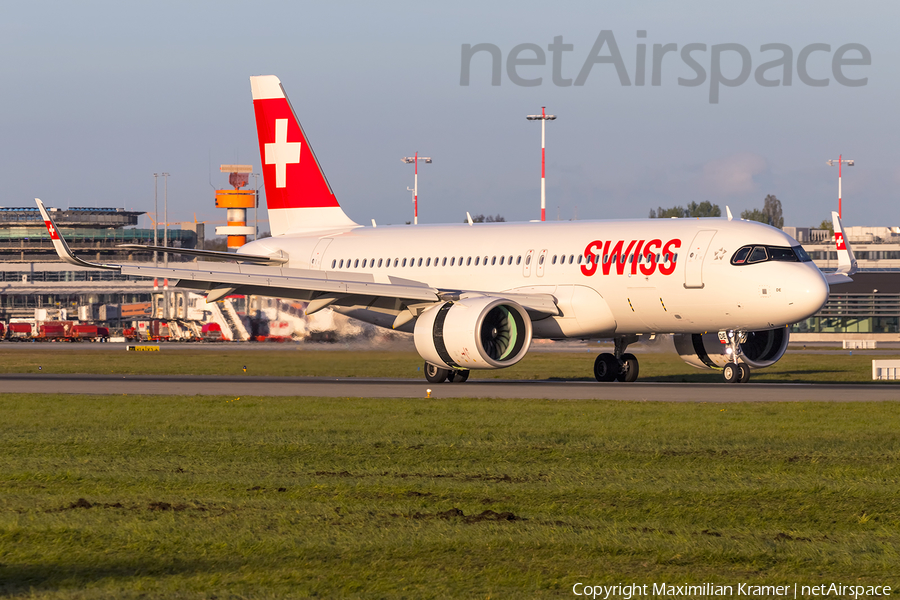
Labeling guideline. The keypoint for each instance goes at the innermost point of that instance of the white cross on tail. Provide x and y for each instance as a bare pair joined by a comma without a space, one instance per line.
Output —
281,152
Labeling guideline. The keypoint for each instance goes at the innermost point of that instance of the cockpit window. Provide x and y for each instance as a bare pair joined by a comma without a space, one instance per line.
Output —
740,257
801,254
758,253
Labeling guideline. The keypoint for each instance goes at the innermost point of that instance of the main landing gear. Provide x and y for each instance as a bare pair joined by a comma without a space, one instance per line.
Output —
438,375
735,371
620,366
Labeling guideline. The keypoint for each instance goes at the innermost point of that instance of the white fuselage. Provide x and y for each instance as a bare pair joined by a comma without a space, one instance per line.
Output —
692,288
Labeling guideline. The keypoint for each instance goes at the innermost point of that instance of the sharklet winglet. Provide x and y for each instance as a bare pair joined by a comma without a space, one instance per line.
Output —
60,245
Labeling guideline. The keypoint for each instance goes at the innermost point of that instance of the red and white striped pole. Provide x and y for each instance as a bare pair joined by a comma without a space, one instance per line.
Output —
543,164
840,163
415,190
543,118
416,193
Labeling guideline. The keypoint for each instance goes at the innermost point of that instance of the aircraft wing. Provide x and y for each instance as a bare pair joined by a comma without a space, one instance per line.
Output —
394,295
275,259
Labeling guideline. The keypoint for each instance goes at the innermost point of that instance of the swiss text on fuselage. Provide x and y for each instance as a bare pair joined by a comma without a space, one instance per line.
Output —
612,258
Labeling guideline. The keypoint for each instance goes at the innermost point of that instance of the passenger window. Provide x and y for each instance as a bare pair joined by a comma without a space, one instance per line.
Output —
553,261
477,258
452,260
579,259
571,258
404,262
509,262
356,264
420,262
333,263
364,263
428,262
541,260
501,260
493,260
444,262
485,261
469,261
342,264
379,262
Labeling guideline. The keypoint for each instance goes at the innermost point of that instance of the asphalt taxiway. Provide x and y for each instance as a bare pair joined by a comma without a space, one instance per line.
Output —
191,385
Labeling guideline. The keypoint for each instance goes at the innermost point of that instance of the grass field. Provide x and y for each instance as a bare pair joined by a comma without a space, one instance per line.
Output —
137,496
303,361
200,497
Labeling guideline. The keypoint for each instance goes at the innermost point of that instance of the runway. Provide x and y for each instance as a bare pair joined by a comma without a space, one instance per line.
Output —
191,385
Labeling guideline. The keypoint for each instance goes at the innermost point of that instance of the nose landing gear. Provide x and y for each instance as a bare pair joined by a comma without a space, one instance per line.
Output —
735,371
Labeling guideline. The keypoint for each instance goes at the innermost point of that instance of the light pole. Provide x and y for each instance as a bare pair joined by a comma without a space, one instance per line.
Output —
165,243
155,218
165,218
840,161
543,118
415,160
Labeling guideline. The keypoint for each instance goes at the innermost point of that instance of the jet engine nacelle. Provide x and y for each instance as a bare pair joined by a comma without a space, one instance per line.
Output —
704,350
481,332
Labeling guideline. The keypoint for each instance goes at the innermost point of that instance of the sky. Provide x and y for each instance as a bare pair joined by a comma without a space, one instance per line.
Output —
99,96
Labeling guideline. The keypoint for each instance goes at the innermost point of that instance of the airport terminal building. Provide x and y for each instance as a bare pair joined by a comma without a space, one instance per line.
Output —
33,278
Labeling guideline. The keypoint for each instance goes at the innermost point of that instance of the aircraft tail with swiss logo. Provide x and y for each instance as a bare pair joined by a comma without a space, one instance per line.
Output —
298,195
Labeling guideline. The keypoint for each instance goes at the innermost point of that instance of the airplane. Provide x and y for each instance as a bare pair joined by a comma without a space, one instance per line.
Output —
474,296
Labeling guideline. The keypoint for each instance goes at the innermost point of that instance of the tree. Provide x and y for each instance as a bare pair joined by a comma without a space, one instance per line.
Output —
487,219
770,213
772,208
826,224
704,209
755,215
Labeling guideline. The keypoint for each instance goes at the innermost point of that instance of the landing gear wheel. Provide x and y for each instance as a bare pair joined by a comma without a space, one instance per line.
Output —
435,374
629,370
731,373
458,376
745,373
606,367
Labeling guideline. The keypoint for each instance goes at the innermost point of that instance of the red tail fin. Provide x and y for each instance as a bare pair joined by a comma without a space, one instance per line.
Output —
298,195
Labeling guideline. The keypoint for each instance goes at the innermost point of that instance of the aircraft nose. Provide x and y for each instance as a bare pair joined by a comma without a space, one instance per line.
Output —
810,292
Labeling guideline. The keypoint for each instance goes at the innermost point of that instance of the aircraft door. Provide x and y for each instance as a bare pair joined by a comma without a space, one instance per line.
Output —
542,258
315,261
526,270
694,255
